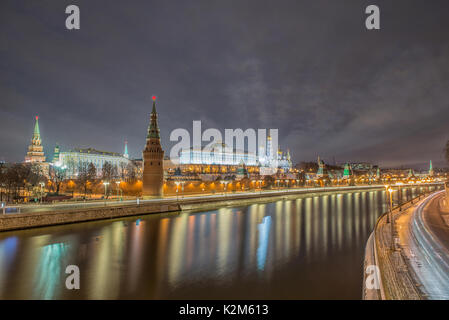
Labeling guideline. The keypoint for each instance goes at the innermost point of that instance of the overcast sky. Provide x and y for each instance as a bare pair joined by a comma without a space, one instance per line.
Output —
308,68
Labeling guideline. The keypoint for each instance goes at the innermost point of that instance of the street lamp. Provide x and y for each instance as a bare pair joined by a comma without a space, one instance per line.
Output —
225,183
391,217
182,188
386,196
177,187
260,185
399,184
105,189
118,189
42,187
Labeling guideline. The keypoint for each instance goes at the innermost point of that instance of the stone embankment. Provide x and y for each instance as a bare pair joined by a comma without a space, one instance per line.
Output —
56,216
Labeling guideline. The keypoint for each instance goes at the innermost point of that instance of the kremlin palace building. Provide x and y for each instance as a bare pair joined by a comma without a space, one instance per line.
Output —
205,165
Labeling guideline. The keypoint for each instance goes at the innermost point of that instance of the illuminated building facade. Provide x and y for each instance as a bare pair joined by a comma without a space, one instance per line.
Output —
219,154
73,159
221,159
270,161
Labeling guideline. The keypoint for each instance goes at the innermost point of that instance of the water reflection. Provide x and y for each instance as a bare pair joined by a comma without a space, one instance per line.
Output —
308,247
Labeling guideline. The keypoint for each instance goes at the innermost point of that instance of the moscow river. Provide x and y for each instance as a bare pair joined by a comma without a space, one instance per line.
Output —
311,247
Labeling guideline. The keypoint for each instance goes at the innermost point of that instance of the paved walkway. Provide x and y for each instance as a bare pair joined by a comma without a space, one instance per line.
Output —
424,240
397,282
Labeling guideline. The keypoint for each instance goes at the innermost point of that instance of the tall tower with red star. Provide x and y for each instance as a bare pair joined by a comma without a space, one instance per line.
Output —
153,159
35,150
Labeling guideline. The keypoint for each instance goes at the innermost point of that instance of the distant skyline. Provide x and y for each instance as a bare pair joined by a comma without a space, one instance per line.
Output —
307,68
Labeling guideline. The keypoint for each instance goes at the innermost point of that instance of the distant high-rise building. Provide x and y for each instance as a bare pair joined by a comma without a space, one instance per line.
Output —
153,156
35,150
430,169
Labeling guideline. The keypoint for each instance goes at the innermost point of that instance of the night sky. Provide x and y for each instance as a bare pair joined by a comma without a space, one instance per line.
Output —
308,68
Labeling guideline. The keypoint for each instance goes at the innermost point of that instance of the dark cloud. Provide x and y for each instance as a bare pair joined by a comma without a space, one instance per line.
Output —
309,68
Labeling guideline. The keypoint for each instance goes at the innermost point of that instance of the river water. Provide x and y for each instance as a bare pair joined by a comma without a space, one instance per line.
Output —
311,247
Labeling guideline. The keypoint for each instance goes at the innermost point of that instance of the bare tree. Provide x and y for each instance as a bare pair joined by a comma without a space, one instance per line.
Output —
123,170
109,173
57,176
92,171
19,177
3,170
131,172
86,174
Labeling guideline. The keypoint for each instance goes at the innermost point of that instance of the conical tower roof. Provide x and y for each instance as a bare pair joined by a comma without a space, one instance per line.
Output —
153,129
125,154
37,133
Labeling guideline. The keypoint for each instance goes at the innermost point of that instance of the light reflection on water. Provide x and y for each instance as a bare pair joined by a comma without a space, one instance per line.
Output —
310,247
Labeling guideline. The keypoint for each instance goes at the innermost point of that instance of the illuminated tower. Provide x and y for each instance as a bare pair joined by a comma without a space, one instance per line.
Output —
35,150
125,154
289,159
347,171
270,155
430,169
56,154
320,171
262,155
153,156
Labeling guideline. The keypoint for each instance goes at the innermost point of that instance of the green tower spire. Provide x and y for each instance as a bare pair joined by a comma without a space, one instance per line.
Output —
37,133
153,129
125,154
320,171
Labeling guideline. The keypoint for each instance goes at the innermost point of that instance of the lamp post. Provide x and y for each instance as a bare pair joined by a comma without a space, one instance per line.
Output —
260,185
225,184
390,190
105,190
399,184
386,196
42,187
118,189
182,188
177,187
